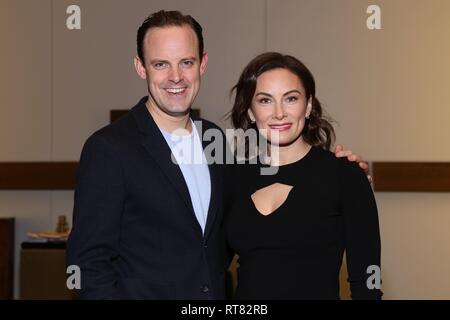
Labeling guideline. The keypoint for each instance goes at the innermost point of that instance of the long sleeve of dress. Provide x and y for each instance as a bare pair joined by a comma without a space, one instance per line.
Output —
362,236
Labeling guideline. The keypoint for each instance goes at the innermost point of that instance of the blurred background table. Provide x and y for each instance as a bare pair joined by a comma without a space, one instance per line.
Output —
43,271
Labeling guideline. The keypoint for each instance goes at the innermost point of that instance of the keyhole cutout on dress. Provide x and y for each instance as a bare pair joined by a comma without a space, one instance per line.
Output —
268,199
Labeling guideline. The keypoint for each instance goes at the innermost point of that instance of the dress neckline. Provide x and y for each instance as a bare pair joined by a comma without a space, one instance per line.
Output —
297,162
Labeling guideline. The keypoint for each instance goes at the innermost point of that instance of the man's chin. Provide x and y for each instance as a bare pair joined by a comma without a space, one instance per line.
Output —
178,111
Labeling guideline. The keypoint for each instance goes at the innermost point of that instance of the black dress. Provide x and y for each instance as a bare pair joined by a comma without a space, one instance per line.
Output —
296,251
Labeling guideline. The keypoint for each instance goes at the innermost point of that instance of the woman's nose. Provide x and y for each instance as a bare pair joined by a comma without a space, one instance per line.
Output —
279,111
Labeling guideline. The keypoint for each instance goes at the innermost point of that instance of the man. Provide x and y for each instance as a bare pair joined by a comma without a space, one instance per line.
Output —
145,227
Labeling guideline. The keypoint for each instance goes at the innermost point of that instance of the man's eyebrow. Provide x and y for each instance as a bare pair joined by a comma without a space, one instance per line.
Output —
159,61
165,61
190,58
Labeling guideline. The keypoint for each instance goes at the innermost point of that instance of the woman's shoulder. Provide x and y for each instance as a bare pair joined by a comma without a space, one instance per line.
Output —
350,171
324,158
324,154
328,162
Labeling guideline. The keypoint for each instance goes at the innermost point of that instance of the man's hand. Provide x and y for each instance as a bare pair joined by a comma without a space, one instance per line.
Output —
340,152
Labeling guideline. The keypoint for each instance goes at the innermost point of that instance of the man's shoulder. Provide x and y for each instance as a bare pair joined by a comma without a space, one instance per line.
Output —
118,130
206,124
121,131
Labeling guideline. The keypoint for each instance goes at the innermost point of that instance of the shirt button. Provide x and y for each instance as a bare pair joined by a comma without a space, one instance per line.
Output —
205,289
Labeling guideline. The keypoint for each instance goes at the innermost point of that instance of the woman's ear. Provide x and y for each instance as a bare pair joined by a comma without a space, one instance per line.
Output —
251,115
309,107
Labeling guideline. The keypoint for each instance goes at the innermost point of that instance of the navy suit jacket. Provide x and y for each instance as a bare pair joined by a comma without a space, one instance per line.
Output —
135,234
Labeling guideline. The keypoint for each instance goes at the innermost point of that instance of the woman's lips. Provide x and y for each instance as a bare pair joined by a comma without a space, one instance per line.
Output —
280,127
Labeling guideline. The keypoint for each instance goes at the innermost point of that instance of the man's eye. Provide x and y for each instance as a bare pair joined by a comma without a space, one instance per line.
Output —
160,65
188,63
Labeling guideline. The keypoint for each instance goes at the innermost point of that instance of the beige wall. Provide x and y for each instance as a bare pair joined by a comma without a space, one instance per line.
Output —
386,89
93,67
57,86
25,107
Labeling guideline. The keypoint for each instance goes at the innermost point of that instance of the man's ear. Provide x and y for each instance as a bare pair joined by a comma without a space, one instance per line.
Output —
140,69
203,63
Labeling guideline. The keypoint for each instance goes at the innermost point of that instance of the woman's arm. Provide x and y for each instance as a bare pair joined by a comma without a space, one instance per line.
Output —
362,235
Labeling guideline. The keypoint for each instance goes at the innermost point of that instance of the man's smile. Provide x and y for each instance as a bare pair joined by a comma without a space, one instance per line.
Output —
175,90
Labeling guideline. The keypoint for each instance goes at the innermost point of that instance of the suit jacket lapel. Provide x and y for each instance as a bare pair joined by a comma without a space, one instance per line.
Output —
214,172
215,199
156,146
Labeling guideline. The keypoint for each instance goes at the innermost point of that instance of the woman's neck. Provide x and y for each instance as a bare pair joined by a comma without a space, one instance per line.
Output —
282,155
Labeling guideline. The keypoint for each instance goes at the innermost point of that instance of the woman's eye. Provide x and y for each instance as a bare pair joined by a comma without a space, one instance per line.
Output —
291,99
264,100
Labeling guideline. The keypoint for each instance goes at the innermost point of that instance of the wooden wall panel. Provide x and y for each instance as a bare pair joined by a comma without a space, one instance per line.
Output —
38,175
388,176
411,176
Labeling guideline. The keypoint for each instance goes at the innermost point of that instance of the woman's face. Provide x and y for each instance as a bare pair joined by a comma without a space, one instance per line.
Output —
280,106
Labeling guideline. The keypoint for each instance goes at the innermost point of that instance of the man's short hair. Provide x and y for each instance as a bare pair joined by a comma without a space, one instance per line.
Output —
164,19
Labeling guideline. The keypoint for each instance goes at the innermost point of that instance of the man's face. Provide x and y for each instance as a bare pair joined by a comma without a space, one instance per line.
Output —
172,68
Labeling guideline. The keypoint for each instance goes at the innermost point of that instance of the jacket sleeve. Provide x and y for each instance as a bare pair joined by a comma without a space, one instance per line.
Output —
98,204
362,235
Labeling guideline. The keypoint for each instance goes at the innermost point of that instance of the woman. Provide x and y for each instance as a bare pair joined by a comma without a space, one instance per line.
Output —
290,229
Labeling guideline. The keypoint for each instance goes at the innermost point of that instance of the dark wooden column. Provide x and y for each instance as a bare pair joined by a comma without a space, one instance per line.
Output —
6,258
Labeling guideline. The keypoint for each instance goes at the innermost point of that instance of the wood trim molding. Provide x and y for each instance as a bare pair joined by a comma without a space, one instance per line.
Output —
411,176
38,175
388,176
